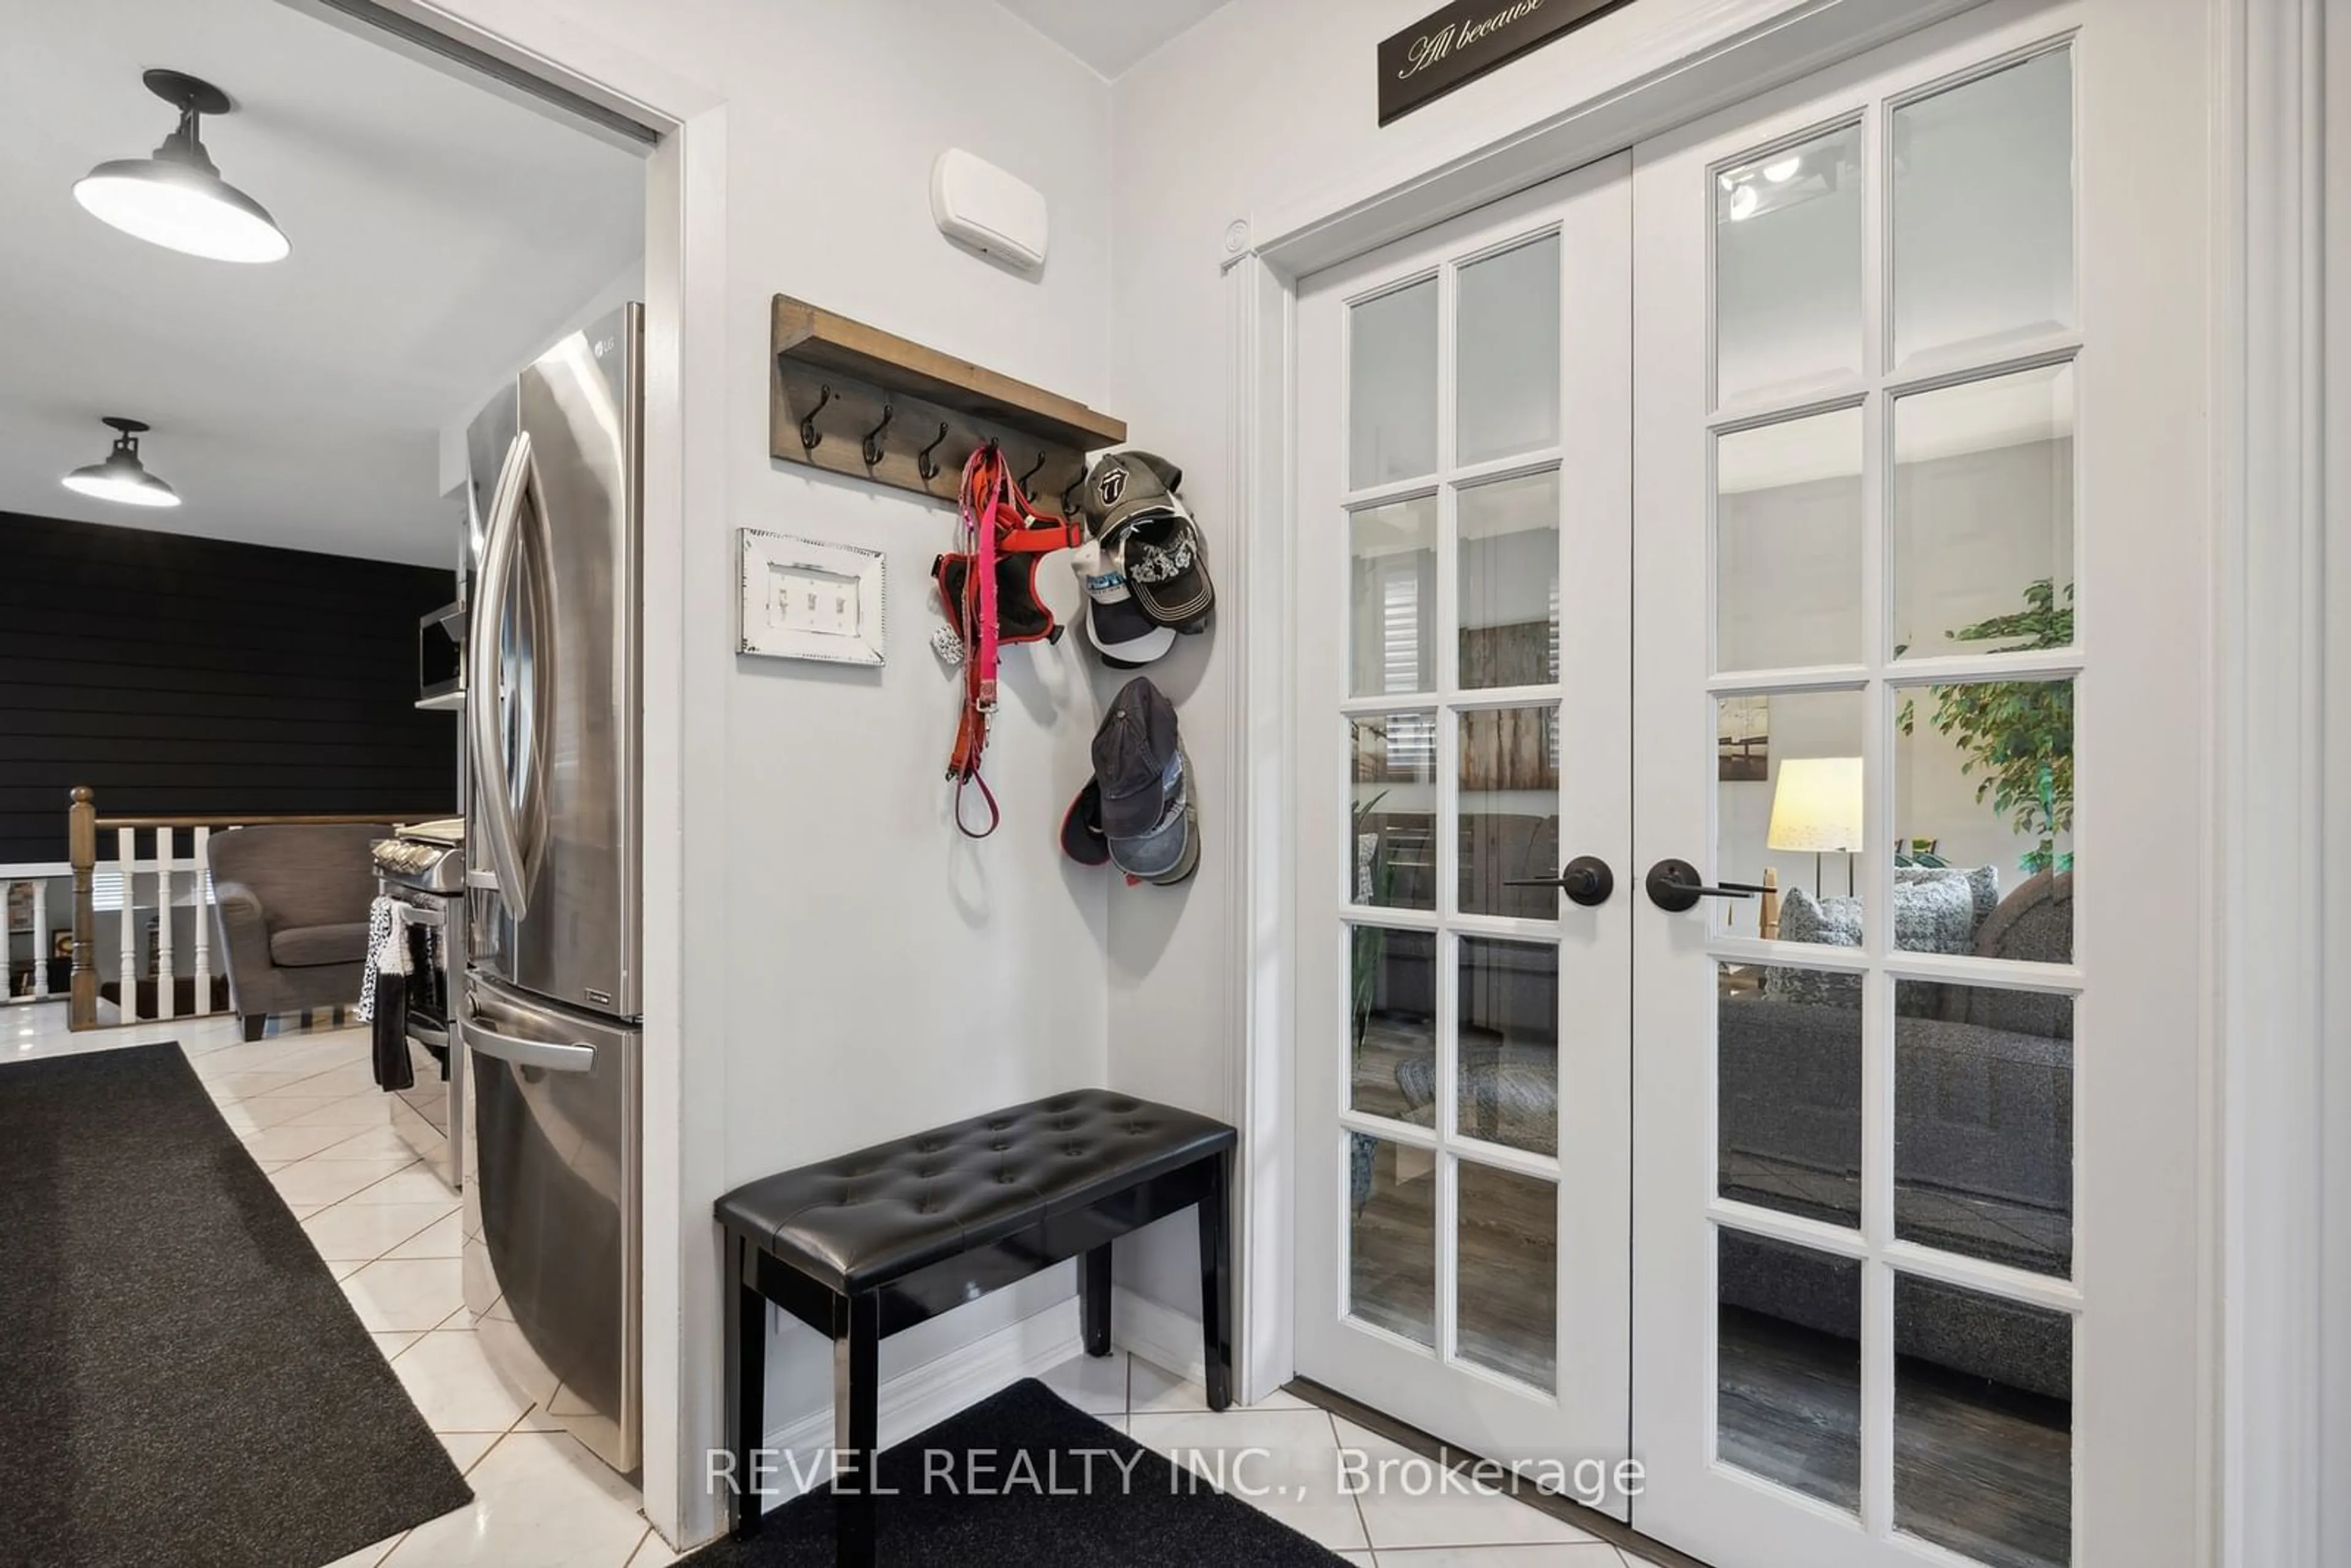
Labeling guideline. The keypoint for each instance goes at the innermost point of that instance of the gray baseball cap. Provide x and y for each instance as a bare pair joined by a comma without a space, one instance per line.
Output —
1169,851
1134,750
1123,486
1148,811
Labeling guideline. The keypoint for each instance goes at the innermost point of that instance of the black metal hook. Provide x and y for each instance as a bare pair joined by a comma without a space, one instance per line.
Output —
809,436
873,436
1070,496
923,463
1033,469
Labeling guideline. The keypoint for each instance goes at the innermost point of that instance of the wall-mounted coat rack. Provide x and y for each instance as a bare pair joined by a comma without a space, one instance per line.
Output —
858,401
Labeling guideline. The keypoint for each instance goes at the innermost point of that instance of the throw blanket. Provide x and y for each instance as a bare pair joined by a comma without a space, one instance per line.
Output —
383,1002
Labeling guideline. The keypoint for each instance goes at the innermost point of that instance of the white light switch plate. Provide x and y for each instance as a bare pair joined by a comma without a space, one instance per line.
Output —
806,600
818,601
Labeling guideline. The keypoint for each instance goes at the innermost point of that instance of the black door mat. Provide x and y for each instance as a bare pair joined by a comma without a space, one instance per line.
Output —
182,1381
1054,1498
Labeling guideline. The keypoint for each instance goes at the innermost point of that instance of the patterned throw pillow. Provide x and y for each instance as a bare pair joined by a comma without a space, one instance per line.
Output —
1830,921
1834,921
1935,916
1931,914
1982,883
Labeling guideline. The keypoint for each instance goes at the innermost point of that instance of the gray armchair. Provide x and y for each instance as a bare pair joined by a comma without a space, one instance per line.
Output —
292,906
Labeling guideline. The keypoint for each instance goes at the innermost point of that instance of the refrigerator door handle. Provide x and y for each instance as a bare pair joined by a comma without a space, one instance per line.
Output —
573,1058
493,787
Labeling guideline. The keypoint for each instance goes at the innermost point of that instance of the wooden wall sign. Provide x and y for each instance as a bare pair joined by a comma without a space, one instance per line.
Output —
1456,46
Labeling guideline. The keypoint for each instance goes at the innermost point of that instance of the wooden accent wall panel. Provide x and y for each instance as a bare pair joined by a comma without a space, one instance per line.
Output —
179,676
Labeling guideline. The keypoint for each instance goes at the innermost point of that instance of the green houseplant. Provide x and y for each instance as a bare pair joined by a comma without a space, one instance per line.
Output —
2018,735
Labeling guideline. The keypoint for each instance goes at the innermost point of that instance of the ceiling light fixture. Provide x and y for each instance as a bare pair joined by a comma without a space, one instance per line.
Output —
122,477
1785,170
176,198
1743,202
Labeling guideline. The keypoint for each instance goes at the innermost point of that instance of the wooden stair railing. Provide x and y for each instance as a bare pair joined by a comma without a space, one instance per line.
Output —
83,828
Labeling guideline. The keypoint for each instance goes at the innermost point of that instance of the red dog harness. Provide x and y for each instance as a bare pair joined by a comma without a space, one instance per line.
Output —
989,590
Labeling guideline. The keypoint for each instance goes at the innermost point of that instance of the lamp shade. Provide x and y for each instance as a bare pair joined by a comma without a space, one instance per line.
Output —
176,198
1816,805
122,477
181,206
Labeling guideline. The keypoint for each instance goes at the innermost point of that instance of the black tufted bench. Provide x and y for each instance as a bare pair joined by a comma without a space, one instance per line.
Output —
860,1247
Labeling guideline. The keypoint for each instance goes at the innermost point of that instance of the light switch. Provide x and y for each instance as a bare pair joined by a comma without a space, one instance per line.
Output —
816,601
808,599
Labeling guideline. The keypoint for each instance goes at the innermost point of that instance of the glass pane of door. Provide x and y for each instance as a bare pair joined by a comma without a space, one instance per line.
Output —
1789,516
1506,575
1391,387
1391,1237
1788,1366
1790,247
1983,211
1982,535
1983,1424
1392,572
1507,1239
1506,344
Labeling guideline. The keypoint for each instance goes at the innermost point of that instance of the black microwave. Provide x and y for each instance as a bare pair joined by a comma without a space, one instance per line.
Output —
441,656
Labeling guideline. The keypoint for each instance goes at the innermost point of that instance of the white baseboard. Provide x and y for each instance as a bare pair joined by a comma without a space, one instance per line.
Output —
920,1398
1166,1337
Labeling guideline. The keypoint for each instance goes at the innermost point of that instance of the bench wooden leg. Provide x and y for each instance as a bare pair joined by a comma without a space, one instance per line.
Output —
746,1382
1216,1283
1096,1297
856,1426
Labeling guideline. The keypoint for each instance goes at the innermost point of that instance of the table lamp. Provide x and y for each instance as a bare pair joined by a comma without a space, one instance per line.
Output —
1816,805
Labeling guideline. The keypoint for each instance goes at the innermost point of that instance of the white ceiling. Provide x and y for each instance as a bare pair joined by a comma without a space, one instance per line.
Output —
441,235
1111,34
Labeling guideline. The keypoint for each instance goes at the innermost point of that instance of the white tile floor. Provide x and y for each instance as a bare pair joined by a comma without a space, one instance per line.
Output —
304,1105
1298,1473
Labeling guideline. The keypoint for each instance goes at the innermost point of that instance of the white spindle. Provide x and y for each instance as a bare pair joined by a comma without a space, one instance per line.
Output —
126,859
41,937
166,862
202,859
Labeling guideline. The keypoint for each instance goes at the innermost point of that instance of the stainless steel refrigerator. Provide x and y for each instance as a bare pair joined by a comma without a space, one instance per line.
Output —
551,1009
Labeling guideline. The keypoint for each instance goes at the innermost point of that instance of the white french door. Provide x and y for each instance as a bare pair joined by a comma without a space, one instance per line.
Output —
1914,1256
1464,677
1799,516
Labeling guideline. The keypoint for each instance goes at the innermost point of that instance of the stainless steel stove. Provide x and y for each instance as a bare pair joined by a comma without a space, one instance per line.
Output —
424,866
422,863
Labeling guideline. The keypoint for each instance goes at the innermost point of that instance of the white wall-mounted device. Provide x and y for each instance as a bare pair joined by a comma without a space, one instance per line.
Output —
973,201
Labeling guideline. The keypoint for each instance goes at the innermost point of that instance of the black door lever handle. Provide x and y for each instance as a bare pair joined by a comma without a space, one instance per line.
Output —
1586,880
1675,885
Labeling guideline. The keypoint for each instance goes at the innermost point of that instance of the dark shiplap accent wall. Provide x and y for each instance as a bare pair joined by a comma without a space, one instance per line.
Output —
187,677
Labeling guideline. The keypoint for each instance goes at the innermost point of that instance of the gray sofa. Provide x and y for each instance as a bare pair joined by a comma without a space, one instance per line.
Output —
291,902
1983,1134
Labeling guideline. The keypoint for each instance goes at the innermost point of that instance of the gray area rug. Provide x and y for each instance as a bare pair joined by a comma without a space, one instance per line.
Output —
182,1381
1091,1496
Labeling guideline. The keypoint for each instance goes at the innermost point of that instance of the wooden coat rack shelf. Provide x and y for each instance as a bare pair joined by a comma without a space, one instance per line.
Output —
855,400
